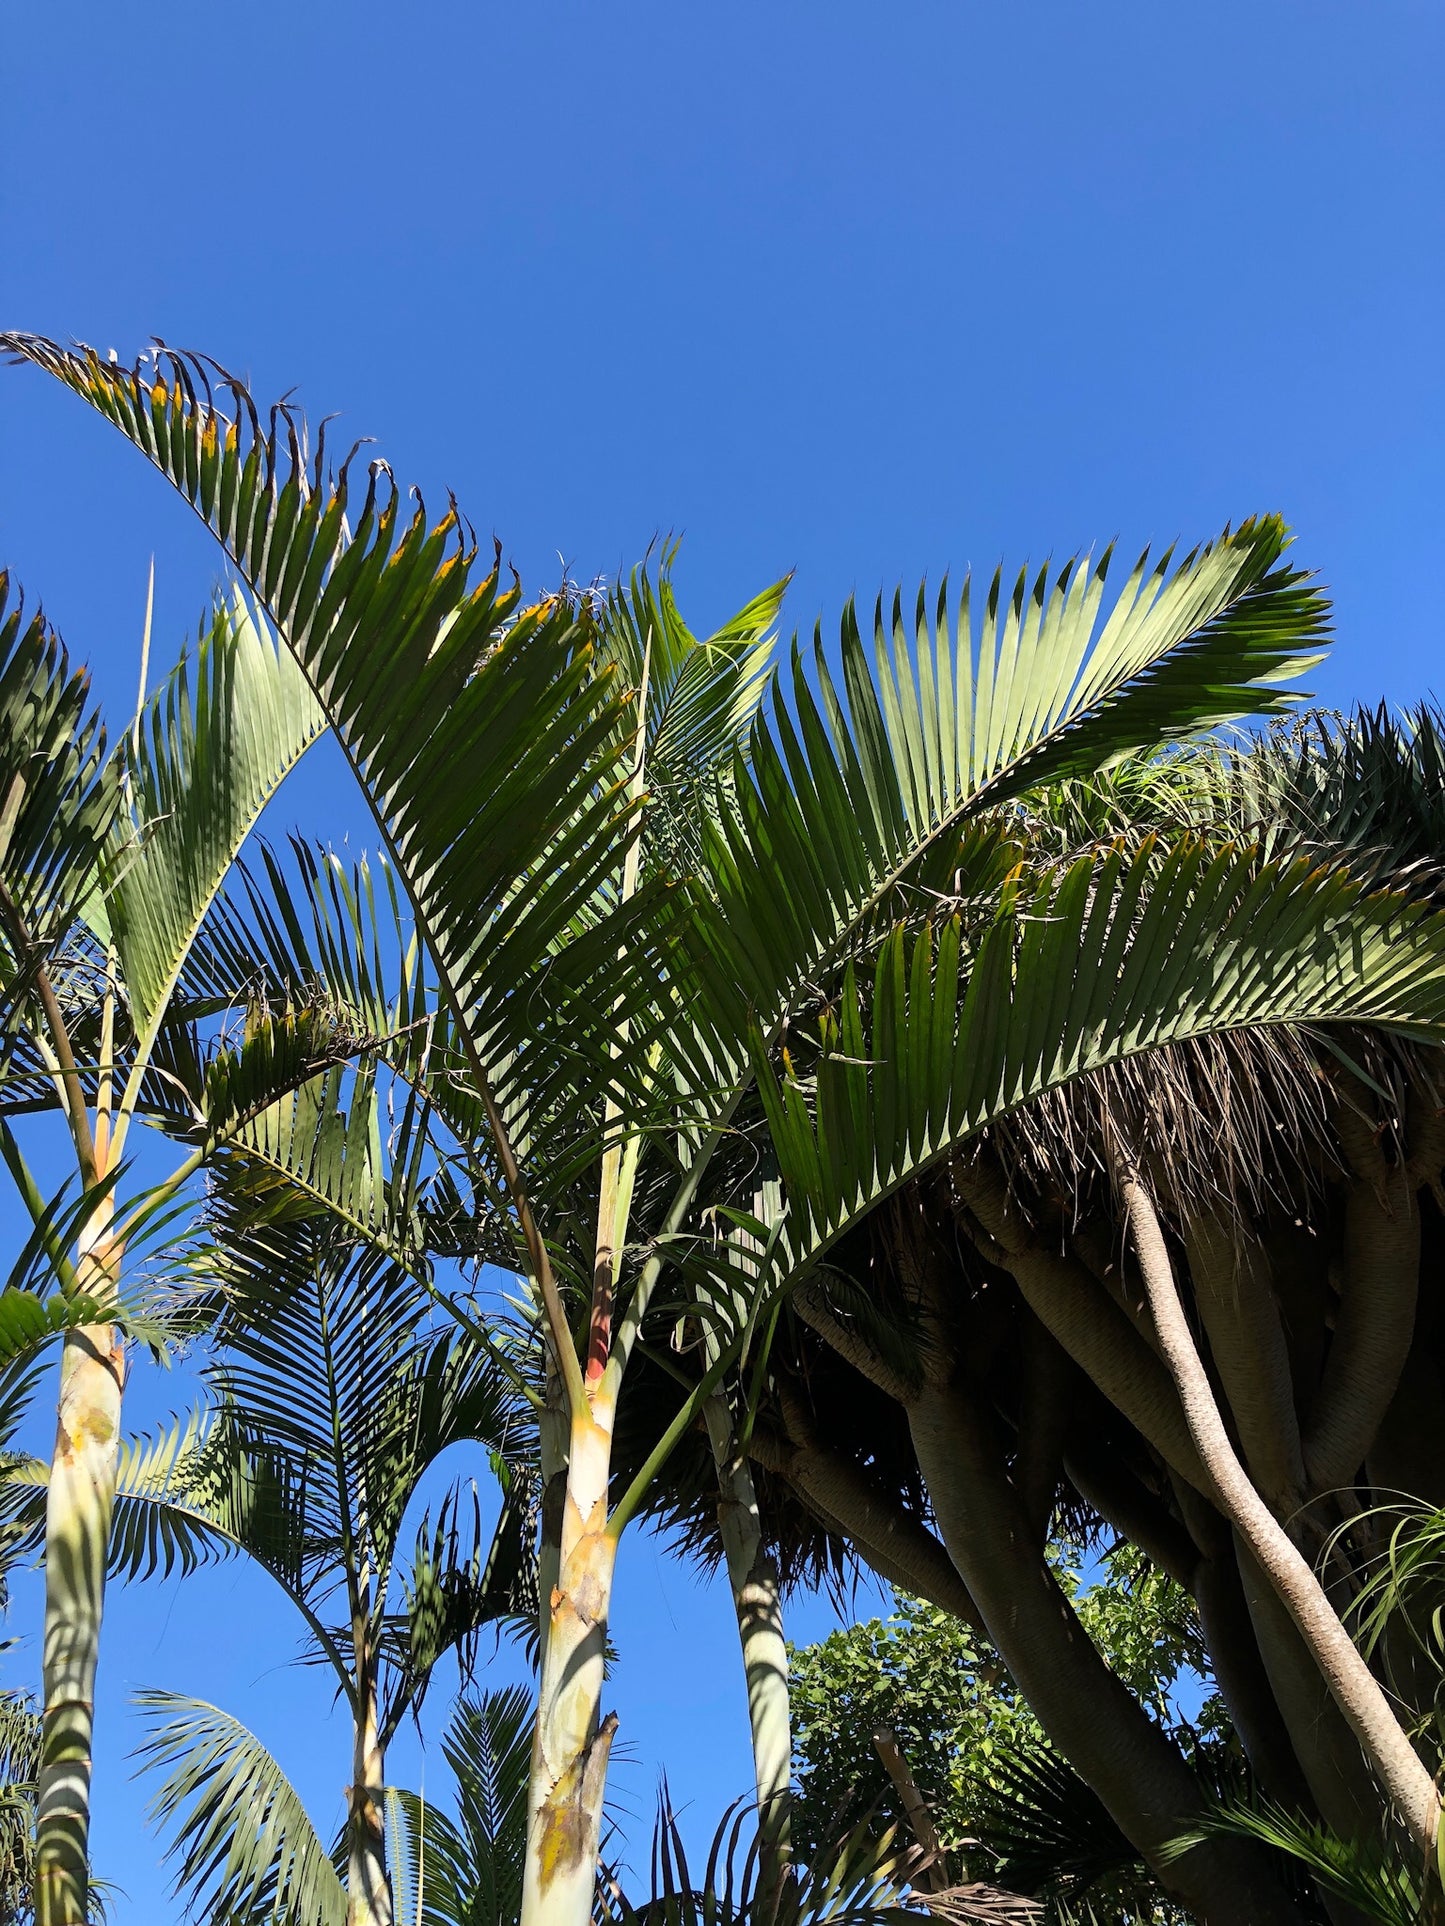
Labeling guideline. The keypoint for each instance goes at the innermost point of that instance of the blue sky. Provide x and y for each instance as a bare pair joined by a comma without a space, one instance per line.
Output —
860,292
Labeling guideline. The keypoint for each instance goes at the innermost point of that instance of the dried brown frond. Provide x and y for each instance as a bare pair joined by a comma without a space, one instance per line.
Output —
979,1904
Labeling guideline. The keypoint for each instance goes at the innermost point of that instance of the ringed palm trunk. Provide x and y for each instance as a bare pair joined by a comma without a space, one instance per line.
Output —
77,1535
368,1889
572,1741
753,1579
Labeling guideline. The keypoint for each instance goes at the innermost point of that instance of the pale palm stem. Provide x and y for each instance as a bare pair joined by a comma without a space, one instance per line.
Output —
79,1503
753,1579
368,1889
572,1742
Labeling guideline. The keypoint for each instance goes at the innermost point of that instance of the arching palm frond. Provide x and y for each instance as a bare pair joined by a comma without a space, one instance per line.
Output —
702,693
58,793
190,1494
28,1320
488,747
245,1850
1365,1875
469,1860
213,747
855,1879
855,797
1110,958
316,928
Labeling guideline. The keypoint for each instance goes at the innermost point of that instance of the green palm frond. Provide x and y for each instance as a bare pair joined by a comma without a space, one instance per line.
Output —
463,1580
1368,787
244,1848
213,748
1365,1874
1113,956
320,1149
199,1491
58,793
857,1878
20,1728
441,1391
1050,1832
702,692
28,1320
470,1860
276,1055
1405,1584
853,803
315,931
191,1494
491,752
313,1328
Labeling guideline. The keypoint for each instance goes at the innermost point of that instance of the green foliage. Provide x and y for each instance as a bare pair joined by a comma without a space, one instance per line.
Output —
1368,1875
246,1851
213,748
19,1769
856,1877
1088,967
487,744
1004,1804
464,1868
58,792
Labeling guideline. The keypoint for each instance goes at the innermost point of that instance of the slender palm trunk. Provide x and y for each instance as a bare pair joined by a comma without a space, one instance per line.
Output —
753,1577
77,1536
572,1741
1351,1683
368,1889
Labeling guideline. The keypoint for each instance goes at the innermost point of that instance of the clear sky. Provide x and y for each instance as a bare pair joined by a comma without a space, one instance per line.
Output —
858,291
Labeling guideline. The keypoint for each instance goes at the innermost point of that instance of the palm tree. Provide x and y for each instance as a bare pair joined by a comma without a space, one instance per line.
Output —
1294,1185
109,864
330,1402
507,777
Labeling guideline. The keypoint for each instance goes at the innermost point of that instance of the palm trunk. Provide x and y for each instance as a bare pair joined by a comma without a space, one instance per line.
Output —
753,1577
77,1537
572,1741
1351,1683
368,1889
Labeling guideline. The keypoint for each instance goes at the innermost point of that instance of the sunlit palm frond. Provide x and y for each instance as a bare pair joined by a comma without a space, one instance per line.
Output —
464,1579
210,751
489,750
244,1848
858,1878
1114,956
20,1731
469,1859
28,1320
856,793
316,930
58,793
1365,1875
702,692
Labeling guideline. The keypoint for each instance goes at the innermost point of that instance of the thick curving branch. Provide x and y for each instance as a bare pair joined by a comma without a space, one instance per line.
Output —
1113,1491
1351,1683
1243,1679
1063,1295
1086,1711
1235,1295
1376,1321
903,1551
812,1307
